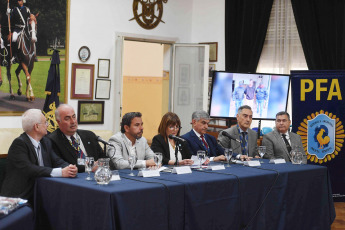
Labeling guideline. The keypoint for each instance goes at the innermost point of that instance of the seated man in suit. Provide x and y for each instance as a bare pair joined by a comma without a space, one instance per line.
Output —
281,141
73,144
130,141
248,147
198,139
31,156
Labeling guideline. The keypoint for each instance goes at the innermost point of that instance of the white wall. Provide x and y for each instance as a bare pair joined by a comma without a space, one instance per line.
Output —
95,24
208,25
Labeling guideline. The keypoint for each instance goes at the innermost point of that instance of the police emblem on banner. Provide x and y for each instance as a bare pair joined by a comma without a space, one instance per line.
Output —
322,136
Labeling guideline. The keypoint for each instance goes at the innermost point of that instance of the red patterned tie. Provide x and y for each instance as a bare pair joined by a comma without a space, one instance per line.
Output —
203,141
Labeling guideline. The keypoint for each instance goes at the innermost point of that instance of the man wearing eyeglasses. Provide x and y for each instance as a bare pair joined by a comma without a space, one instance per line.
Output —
31,156
281,141
198,139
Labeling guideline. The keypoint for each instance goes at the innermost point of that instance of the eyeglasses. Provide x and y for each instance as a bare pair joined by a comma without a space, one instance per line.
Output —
46,123
175,127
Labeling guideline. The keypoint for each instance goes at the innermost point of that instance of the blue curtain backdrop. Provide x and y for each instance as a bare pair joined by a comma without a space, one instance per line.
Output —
321,92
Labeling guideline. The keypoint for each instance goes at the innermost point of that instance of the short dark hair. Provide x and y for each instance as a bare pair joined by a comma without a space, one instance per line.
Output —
127,120
281,113
243,107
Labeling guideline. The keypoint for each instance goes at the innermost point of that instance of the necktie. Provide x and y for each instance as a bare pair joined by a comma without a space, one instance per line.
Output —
204,141
244,143
39,155
77,148
288,146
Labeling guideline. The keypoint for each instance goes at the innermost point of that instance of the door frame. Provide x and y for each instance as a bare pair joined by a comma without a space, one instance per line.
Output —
120,37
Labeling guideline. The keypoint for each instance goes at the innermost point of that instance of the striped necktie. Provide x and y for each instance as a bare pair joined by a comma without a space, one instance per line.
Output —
244,143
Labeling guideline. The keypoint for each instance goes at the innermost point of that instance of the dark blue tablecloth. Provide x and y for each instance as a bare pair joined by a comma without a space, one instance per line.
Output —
281,196
21,218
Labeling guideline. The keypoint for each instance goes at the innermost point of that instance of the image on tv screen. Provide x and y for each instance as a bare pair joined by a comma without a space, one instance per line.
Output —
266,94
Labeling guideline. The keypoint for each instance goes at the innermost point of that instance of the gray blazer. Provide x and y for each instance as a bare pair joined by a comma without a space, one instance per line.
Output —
236,147
275,145
122,149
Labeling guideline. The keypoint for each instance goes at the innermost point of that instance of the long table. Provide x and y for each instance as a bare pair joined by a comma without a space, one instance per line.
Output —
282,196
21,218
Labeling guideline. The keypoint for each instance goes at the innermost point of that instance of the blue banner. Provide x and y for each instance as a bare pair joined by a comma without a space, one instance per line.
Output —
318,115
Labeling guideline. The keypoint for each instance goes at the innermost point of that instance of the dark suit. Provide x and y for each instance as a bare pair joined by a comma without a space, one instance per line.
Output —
195,144
236,147
160,145
64,149
23,167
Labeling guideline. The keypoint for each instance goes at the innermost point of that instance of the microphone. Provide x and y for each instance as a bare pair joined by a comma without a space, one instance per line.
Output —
230,136
104,142
176,138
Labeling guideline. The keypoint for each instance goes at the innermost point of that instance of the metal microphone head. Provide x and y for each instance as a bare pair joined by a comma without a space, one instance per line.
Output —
171,136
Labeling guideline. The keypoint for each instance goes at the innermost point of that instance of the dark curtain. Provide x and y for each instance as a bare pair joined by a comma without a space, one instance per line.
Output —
246,23
321,29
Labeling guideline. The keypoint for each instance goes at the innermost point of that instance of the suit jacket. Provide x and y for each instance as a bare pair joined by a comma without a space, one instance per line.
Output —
275,145
64,149
195,144
23,167
236,147
122,150
160,145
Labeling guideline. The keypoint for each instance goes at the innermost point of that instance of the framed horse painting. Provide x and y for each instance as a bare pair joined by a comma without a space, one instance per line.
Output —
37,28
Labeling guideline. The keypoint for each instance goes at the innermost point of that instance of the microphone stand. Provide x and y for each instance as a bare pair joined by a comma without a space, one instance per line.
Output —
176,151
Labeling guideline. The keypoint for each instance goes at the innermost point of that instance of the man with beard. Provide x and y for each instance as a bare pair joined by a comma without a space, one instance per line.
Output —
130,141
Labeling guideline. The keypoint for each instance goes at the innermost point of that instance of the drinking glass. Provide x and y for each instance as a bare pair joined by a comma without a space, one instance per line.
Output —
132,160
228,155
89,162
297,157
262,152
158,159
201,155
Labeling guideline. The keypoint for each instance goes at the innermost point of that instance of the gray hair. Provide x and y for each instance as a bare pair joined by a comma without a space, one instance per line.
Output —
239,111
197,115
30,118
57,111
281,113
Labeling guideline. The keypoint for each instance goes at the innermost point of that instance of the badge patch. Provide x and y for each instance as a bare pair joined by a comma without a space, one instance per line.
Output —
322,136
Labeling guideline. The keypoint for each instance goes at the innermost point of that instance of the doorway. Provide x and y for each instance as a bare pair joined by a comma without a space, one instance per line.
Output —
145,84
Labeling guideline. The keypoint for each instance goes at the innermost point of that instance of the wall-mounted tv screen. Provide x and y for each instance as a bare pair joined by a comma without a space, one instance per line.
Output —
266,94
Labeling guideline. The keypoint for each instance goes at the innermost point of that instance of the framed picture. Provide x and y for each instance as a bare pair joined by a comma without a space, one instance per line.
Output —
213,50
184,74
183,96
82,81
91,112
102,89
48,40
103,68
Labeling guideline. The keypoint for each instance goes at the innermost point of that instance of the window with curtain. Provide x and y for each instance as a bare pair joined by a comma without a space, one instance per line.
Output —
282,49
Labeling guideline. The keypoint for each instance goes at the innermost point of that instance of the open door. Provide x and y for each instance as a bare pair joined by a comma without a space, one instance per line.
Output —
189,81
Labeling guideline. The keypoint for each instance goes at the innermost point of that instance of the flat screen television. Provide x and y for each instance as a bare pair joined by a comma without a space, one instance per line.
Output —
267,94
